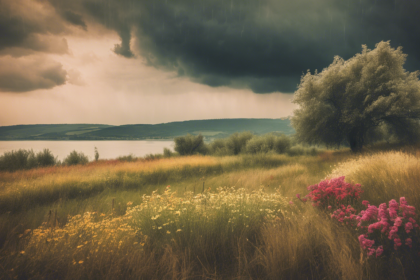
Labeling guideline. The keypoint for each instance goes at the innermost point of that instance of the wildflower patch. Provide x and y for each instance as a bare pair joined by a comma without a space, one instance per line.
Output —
383,229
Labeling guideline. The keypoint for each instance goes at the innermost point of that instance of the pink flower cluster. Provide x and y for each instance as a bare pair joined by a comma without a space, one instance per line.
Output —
332,191
344,214
384,225
394,223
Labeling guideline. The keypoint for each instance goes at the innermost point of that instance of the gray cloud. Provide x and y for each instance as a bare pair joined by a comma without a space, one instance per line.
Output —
75,19
30,73
32,26
263,45
29,30
124,48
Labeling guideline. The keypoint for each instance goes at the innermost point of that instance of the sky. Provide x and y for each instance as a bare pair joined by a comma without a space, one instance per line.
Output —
155,61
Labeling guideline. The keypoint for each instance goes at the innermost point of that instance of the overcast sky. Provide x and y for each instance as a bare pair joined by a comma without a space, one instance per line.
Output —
153,61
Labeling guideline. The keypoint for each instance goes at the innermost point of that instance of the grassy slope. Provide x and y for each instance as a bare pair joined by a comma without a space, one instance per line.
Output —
294,247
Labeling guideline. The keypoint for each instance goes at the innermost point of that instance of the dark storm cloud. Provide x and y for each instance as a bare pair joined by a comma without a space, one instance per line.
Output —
30,73
261,45
264,45
75,19
124,48
29,25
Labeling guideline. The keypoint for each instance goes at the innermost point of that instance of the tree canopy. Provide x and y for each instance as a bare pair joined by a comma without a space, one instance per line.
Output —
190,144
350,100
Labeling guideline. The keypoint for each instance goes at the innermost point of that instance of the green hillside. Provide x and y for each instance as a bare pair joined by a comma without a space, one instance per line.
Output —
47,131
210,129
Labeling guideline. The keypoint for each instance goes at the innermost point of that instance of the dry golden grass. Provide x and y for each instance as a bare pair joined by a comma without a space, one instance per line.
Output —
97,169
161,230
246,232
25,189
384,176
309,246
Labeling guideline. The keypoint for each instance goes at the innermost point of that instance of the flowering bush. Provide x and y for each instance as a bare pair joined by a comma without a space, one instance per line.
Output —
382,227
387,225
332,191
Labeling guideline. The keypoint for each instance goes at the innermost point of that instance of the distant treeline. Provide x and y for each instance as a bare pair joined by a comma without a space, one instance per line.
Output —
27,159
242,143
237,143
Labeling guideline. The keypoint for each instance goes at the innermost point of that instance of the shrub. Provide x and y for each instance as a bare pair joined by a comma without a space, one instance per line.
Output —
218,148
76,158
260,144
282,144
26,159
332,192
380,229
190,145
31,161
14,160
236,143
247,143
387,226
167,153
268,143
45,158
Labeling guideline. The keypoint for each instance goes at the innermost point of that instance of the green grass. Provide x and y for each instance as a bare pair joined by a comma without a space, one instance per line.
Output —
221,218
81,131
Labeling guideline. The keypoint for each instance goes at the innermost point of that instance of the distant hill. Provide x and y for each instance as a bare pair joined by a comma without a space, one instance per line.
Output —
210,129
47,131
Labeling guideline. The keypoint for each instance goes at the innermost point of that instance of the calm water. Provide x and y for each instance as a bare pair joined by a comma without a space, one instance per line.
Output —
106,149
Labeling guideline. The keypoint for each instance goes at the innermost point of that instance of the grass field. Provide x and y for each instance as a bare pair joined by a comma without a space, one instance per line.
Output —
221,218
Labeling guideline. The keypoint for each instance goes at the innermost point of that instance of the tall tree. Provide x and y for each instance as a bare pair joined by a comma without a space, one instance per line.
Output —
350,98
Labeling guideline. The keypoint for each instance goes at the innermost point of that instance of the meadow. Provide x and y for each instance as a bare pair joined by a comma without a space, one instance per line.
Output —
202,217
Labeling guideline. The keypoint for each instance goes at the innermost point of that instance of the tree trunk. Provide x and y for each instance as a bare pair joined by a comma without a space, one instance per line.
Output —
356,140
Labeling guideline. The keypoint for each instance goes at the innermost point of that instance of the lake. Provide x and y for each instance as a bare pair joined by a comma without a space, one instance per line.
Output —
106,149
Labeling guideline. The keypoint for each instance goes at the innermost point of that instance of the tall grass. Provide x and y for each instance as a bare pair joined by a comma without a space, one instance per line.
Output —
222,218
74,182
230,233
206,228
309,246
384,176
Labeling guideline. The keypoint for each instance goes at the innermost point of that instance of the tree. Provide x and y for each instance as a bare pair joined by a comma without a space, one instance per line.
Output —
190,144
76,158
45,158
236,142
350,99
